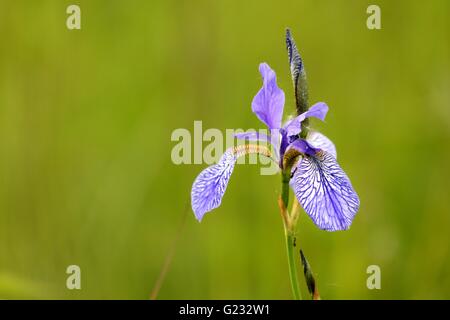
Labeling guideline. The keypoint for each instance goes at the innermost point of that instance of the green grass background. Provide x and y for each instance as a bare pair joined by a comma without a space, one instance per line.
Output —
86,118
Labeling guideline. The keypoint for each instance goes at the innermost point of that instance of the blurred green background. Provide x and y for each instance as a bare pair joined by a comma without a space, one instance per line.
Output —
86,118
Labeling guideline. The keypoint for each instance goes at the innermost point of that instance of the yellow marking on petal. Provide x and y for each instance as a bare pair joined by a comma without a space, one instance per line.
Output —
245,149
290,158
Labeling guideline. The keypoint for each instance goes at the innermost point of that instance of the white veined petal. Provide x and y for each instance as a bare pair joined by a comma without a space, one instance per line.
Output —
320,141
325,192
210,185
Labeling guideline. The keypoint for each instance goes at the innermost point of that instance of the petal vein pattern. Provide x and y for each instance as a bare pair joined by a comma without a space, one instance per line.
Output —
320,141
211,184
325,192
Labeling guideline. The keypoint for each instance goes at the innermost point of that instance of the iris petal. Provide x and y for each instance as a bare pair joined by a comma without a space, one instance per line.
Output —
318,140
303,146
318,110
325,192
210,185
268,103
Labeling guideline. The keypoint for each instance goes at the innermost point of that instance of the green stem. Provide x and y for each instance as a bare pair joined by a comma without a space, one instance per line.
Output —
285,189
290,238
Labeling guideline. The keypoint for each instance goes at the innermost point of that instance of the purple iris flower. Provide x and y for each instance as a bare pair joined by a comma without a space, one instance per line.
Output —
322,188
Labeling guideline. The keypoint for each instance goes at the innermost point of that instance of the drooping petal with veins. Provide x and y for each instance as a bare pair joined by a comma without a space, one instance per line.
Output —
210,185
325,192
268,104
320,141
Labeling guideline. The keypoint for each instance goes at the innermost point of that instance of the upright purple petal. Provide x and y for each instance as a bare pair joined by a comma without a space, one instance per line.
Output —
319,141
318,110
210,185
325,192
268,103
